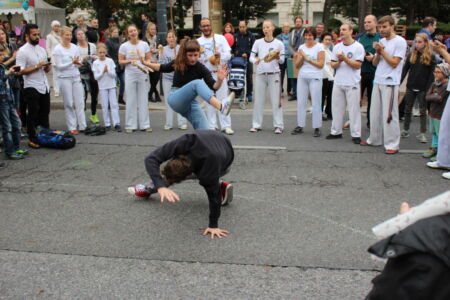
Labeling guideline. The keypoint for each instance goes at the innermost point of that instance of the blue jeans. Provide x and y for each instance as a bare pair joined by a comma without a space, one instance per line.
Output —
121,78
182,100
10,122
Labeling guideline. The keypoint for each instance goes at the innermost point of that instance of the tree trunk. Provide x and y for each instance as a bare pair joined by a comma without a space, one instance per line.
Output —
180,12
410,15
326,13
362,11
103,11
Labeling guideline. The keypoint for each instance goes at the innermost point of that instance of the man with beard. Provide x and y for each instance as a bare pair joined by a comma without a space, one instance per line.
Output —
33,63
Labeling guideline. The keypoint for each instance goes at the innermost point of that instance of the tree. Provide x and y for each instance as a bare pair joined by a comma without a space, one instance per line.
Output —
235,10
297,9
326,13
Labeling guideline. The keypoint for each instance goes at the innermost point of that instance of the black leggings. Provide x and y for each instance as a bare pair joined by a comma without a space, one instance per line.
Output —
91,86
154,78
327,91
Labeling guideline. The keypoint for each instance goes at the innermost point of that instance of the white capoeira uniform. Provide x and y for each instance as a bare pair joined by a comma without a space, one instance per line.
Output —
168,54
212,45
310,81
267,76
72,90
384,123
346,89
443,155
107,86
137,86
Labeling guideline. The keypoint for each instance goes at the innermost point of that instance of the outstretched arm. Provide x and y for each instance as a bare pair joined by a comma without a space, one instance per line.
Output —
215,203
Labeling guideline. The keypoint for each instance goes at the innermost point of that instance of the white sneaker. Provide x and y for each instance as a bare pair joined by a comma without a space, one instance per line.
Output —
227,103
228,131
446,175
166,127
149,130
435,165
183,127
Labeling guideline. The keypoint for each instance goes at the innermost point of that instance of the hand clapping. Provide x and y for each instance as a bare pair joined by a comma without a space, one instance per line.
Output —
222,72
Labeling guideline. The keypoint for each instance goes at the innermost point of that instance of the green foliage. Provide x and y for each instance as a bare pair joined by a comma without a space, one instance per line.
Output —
235,10
334,24
297,9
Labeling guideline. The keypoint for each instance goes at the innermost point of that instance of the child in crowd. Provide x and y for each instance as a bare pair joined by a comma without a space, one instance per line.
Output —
105,74
9,120
437,98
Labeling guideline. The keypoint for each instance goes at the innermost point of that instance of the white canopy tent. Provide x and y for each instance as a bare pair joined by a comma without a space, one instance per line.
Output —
39,12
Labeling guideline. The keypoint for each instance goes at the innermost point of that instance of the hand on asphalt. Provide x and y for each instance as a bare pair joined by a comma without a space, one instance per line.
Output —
216,232
168,194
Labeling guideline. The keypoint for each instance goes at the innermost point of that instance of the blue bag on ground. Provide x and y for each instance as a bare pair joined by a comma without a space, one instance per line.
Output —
58,140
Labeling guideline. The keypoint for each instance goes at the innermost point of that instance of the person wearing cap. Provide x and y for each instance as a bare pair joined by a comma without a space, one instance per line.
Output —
53,39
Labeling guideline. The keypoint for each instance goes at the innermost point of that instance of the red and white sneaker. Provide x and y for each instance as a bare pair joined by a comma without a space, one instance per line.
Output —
226,191
139,191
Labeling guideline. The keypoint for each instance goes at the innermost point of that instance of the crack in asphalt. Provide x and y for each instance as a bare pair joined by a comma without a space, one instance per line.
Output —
195,262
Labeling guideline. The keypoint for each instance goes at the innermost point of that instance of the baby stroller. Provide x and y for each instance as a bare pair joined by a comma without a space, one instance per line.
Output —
237,79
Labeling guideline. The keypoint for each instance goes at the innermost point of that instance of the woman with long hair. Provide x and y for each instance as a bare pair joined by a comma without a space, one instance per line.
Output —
191,79
131,54
168,54
151,38
54,39
67,60
310,60
113,44
228,28
420,65
15,81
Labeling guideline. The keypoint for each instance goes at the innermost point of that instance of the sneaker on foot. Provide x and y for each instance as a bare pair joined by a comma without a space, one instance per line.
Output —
446,175
129,130
94,119
149,129
228,131
182,127
253,129
22,151
316,132
422,138
226,191
227,103
404,134
118,128
430,152
435,165
365,143
74,132
297,130
334,136
278,130
33,145
139,190
356,140
14,156
167,127
391,151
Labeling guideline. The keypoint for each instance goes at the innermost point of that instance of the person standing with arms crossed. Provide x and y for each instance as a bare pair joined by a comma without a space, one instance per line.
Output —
389,60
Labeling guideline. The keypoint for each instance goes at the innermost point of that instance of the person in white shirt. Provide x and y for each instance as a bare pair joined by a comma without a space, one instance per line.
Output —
267,62
136,81
32,60
54,39
310,60
88,54
389,59
67,59
328,77
347,59
104,70
168,54
216,52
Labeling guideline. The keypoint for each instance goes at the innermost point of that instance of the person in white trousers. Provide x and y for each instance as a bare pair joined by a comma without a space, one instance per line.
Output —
216,51
168,54
104,70
54,39
310,58
67,59
267,77
389,59
136,81
347,58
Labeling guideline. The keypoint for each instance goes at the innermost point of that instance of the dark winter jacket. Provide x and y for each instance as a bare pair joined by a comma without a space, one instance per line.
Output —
420,76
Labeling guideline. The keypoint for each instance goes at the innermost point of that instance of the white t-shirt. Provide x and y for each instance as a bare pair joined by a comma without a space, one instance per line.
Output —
28,56
328,71
166,57
63,59
90,51
308,70
261,48
385,74
131,51
346,75
105,80
220,44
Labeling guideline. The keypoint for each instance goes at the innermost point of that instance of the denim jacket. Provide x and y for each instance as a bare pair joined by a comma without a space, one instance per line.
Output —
5,89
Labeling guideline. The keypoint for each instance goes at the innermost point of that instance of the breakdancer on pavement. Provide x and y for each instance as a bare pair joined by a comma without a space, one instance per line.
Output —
205,155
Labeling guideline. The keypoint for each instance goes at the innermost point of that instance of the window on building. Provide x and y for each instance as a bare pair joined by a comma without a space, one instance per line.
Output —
317,17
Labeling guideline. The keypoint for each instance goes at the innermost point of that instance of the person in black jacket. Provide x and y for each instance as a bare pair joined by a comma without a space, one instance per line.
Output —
242,47
418,265
205,155
420,66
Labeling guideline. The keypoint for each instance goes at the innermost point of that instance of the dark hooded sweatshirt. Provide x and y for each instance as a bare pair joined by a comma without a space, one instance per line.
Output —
211,155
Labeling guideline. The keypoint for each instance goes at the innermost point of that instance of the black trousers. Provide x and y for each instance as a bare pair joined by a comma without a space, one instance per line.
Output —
154,78
38,111
367,83
327,92
249,78
91,86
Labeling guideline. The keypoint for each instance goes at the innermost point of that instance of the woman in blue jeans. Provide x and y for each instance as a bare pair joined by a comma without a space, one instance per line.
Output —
192,79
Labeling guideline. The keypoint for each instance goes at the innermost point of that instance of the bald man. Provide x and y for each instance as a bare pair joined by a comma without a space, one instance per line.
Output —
368,69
